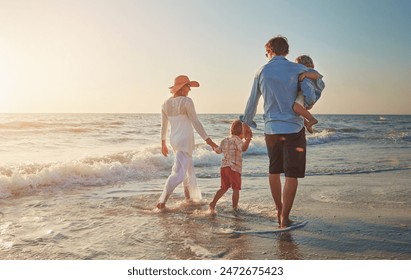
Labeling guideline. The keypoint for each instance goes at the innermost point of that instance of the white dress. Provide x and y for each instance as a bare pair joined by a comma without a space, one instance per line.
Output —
180,113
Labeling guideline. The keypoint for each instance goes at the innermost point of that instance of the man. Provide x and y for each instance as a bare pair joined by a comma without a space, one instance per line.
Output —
277,82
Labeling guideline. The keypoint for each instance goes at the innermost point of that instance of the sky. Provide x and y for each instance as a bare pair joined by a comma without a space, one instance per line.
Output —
106,56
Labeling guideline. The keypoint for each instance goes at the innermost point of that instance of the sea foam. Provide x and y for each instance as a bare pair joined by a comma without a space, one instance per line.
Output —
109,169
113,168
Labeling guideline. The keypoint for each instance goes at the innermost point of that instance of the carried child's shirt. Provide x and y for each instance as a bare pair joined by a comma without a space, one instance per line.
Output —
231,147
318,85
318,88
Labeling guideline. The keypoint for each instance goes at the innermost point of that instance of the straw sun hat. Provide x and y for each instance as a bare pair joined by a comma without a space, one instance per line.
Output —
181,81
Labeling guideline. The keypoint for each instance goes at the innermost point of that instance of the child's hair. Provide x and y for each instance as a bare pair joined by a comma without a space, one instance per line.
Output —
236,127
305,60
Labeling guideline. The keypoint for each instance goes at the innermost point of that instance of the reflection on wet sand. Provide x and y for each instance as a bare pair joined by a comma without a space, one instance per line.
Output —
287,248
192,233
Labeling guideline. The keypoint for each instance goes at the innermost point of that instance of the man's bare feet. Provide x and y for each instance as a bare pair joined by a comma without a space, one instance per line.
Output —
286,223
161,205
278,213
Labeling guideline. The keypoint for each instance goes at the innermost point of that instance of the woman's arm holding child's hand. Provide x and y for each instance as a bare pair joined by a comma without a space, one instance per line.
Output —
211,143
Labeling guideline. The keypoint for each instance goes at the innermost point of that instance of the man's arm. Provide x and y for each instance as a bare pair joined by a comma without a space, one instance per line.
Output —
252,103
251,108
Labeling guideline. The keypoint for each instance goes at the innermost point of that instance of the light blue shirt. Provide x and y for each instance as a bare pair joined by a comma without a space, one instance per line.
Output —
277,82
318,85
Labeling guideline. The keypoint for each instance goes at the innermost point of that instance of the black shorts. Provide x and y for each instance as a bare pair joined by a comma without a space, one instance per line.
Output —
287,153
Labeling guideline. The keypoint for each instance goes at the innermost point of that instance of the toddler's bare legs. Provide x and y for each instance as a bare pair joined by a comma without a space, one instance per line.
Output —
236,198
309,124
217,196
309,119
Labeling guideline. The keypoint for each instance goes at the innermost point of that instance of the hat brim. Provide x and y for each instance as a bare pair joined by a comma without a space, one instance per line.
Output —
177,87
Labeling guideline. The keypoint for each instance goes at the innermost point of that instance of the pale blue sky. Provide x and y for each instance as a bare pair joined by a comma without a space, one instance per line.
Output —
74,56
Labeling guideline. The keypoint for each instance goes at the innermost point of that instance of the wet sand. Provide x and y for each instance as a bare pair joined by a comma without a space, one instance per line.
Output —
350,217
356,217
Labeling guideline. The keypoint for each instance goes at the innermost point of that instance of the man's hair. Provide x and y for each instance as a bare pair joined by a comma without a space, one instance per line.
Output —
236,127
305,60
279,45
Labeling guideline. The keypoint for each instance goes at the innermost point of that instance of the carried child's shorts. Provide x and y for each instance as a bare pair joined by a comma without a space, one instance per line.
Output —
230,179
300,99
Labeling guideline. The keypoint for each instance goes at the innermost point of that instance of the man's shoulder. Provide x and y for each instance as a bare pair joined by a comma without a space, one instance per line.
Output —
283,63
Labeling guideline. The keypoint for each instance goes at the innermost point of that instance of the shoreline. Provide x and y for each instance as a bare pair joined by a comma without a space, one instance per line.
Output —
355,217
350,217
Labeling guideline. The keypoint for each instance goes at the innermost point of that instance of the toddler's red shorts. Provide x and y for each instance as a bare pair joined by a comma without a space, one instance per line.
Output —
230,179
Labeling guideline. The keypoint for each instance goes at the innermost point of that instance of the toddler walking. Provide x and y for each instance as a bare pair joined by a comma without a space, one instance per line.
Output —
232,148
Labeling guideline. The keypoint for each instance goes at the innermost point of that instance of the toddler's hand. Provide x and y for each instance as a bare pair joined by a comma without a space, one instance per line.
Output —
211,143
249,135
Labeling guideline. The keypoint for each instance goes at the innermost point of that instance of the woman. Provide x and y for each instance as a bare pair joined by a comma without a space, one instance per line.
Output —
179,111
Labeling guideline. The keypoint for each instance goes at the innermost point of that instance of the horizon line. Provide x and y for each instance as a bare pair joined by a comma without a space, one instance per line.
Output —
156,113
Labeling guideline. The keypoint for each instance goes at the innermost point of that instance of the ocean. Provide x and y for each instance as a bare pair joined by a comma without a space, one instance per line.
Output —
70,183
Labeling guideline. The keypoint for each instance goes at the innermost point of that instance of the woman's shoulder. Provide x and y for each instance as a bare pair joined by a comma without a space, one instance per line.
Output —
187,101
187,98
178,99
